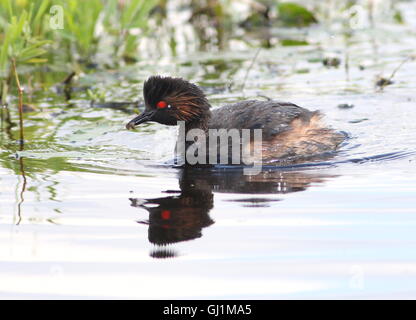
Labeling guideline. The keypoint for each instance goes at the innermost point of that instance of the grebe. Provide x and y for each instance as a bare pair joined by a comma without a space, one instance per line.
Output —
289,133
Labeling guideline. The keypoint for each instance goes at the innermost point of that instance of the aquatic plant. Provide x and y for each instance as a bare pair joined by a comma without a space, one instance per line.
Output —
30,35
20,45
291,14
21,42
81,20
127,21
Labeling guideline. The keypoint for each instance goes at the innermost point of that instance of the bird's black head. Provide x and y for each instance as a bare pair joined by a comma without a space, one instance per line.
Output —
169,100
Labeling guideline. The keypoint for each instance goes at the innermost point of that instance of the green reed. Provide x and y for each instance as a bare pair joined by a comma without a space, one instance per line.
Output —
29,35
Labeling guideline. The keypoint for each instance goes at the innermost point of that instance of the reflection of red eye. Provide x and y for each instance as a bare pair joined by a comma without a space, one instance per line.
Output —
165,214
161,105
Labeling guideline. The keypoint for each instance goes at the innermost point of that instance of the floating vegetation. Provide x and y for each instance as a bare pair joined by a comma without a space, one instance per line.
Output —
345,106
382,82
331,62
291,14
293,42
358,120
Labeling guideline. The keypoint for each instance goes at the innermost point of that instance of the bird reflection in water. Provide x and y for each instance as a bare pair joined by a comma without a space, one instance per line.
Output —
179,217
182,215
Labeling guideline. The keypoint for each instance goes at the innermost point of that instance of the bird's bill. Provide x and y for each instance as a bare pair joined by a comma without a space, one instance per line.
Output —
141,118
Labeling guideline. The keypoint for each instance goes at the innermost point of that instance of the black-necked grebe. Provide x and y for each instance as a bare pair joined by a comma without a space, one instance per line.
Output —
289,132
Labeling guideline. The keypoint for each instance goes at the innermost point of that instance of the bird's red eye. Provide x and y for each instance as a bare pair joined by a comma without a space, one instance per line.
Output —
161,105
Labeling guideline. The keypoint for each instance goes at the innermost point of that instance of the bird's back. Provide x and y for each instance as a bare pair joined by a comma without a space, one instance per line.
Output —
273,117
289,132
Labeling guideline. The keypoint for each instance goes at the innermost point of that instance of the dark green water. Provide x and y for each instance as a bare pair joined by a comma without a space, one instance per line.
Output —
89,209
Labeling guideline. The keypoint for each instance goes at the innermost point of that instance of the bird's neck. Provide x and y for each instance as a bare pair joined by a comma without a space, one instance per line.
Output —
199,123
186,138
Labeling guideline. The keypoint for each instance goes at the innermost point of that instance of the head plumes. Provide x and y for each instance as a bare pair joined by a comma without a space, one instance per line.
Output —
169,100
185,100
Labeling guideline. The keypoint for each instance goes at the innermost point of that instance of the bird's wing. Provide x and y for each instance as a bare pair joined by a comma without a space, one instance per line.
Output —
273,117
